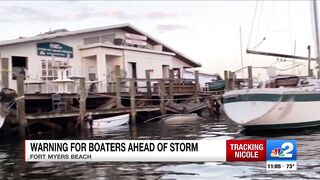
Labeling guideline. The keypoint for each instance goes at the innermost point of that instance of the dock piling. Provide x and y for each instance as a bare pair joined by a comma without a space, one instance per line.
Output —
133,101
234,81
210,106
196,75
171,81
21,113
82,105
118,88
250,80
162,98
4,72
148,83
231,77
226,80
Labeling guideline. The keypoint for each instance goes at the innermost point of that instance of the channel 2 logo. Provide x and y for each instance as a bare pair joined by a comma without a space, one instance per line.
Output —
281,150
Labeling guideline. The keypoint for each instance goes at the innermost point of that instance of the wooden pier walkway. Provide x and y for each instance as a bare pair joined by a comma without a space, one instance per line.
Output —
152,96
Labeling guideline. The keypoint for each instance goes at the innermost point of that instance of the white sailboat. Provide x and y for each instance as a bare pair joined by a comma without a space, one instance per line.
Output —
283,102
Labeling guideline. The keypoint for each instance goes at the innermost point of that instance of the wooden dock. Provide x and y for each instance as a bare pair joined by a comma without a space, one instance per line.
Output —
134,96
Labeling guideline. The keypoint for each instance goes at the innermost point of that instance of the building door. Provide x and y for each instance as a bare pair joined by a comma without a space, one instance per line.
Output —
132,70
19,66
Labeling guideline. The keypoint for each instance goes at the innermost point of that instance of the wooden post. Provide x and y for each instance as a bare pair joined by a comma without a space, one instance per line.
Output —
82,105
250,80
196,77
310,73
21,113
162,98
210,106
234,81
226,80
231,80
171,81
5,72
118,88
148,84
133,101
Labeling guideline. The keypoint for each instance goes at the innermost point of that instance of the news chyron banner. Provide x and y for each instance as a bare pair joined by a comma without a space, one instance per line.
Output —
278,154
124,150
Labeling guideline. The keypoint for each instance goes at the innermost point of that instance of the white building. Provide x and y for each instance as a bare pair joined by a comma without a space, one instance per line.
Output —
92,53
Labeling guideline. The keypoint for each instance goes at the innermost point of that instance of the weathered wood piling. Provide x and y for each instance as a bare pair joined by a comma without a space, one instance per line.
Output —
21,112
118,86
82,105
250,80
226,80
196,77
162,98
148,83
231,81
133,101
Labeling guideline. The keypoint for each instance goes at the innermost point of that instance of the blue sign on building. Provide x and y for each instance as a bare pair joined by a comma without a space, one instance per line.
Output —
54,49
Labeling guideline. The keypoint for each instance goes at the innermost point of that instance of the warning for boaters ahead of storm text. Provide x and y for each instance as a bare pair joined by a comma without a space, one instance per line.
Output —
278,154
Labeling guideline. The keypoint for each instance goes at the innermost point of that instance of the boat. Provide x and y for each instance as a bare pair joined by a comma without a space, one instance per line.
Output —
282,102
7,100
111,121
180,118
215,85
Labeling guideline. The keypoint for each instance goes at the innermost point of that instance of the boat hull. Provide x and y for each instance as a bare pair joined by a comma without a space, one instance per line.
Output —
216,85
180,118
2,119
274,110
111,121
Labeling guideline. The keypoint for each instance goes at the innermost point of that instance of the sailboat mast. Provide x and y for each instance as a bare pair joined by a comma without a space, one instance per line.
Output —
241,55
315,14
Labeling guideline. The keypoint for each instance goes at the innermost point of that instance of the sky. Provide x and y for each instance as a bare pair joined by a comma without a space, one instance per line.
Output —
205,31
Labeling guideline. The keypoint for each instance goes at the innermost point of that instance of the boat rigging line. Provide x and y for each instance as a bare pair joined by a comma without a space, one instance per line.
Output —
316,27
252,23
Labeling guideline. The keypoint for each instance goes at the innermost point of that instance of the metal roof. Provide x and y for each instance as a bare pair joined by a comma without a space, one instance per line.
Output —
128,27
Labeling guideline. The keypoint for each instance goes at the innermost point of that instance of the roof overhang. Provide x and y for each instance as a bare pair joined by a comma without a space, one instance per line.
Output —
102,45
127,27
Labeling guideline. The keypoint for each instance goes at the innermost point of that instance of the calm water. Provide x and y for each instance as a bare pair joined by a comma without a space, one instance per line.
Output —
12,165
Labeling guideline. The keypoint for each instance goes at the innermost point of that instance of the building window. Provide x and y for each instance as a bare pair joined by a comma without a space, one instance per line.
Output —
92,73
176,73
91,40
108,38
19,66
47,70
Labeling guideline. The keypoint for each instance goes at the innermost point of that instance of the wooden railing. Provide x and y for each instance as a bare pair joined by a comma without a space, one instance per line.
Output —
121,85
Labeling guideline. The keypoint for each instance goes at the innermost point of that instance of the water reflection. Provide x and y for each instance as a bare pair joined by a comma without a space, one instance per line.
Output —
12,165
